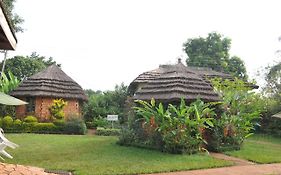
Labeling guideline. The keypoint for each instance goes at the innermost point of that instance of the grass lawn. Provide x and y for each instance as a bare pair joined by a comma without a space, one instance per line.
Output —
99,155
260,149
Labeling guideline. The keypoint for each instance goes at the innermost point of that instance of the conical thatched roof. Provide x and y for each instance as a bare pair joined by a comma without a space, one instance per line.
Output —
51,82
172,82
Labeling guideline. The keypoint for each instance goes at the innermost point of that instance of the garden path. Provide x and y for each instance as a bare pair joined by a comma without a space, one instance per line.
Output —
261,169
11,169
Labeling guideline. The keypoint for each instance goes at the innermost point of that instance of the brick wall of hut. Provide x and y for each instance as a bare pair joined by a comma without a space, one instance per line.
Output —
42,105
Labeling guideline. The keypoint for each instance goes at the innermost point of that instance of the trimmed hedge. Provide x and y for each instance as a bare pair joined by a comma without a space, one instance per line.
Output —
73,126
107,132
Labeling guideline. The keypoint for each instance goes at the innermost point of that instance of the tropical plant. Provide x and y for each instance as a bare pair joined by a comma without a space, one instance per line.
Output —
239,116
8,82
56,109
179,127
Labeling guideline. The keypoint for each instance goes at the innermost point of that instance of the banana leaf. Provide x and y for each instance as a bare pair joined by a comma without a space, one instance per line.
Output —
9,100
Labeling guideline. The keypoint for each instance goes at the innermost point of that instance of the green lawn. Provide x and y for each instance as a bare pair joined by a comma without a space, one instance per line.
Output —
99,155
260,149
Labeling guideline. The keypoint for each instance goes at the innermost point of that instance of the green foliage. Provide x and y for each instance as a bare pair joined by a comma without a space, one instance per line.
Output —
7,110
100,122
175,129
75,126
25,66
45,128
273,127
104,103
56,109
240,113
273,79
30,125
30,119
14,18
213,52
8,82
7,122
107,132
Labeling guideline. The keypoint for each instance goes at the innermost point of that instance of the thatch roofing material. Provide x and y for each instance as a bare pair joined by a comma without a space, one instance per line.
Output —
176,82
51,82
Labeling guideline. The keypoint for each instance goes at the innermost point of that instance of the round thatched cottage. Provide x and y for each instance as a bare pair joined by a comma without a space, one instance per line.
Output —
170,83
42,88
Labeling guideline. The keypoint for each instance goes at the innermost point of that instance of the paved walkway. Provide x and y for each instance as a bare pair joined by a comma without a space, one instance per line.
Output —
11,169
264,169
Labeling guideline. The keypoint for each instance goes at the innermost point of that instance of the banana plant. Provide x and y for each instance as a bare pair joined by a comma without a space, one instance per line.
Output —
8,82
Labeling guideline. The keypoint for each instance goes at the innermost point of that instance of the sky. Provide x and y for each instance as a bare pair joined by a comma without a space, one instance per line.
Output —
103,43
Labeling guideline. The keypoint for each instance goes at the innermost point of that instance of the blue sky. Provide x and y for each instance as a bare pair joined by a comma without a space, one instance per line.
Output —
103,43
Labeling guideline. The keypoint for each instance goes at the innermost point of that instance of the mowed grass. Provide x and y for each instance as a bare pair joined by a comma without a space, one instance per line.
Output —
260,149
99,155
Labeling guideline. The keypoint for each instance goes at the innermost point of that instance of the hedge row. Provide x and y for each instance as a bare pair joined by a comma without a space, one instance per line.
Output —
107,132
74,126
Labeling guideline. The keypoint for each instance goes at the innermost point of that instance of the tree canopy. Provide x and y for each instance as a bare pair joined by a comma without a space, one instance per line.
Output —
273,79
14,18
104,103
213,52
25,66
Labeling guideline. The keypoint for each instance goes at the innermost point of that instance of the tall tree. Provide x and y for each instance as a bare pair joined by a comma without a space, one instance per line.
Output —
104,103
14,18
213,52
273,79
25,66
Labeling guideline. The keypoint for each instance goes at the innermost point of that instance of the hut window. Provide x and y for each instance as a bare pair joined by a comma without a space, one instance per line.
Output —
30,107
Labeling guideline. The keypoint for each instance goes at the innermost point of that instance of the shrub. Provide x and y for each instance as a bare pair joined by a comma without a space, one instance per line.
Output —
75,126
107,132
175,129
56,109
7,122
90,125
241,111
17,126
45,128
59,122
30,119
99,122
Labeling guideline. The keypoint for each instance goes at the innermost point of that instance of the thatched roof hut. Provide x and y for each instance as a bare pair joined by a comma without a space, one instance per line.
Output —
41,88
51,82
170,83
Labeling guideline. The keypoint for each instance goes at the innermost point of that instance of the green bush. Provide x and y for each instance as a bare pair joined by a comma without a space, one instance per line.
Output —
30,119
56,109
7,122
90,125
273,127
99,122
59,122
75,126
107,132
241,110
46,128
175,129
